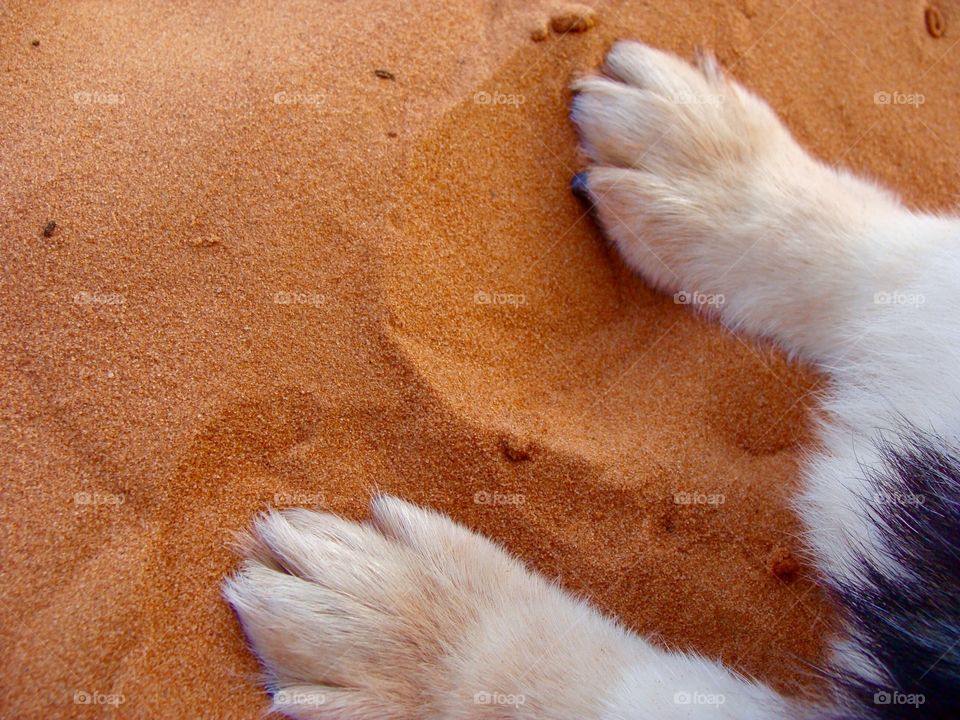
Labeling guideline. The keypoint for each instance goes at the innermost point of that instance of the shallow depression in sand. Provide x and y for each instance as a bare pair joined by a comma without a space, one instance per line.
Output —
609,401
506,299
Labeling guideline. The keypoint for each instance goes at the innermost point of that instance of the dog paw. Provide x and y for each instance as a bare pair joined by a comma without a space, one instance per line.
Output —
406,616
686,163
356,620
410,616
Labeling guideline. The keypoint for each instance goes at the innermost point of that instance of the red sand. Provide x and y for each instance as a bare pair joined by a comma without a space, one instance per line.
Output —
276,278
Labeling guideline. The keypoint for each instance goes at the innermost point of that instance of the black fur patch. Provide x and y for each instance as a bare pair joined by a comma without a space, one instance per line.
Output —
907,622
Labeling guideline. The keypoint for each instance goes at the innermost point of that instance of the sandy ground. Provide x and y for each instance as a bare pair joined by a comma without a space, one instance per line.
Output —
276,278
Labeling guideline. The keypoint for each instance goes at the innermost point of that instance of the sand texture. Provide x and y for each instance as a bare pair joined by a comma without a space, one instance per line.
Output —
300,251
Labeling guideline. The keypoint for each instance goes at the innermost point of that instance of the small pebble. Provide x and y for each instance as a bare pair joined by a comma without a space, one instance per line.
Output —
936,23
540,32
49,229
782,564
205,241
35,43
573,18
384,74
514,449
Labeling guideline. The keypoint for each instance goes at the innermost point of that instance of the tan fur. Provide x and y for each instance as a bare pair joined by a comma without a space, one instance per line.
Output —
413,616
704,191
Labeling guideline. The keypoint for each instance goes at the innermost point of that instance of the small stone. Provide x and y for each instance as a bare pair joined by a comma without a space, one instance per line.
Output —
573,18
515,449
35,43
49,229
782,564
540,32
936,23
384,74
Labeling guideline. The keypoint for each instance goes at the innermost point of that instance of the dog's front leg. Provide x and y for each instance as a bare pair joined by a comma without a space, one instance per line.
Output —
411,616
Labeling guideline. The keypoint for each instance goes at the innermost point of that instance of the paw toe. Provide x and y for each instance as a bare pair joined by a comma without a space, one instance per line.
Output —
661,72
617,123
413,526
310,544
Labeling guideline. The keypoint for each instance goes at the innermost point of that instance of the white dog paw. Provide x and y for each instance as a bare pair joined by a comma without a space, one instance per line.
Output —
410,616
370,620
683,160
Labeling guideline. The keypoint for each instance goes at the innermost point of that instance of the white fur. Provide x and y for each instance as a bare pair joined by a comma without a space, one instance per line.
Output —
413,616
703,190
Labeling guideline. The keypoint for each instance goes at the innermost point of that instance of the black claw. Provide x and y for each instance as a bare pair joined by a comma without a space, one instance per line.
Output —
578,184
